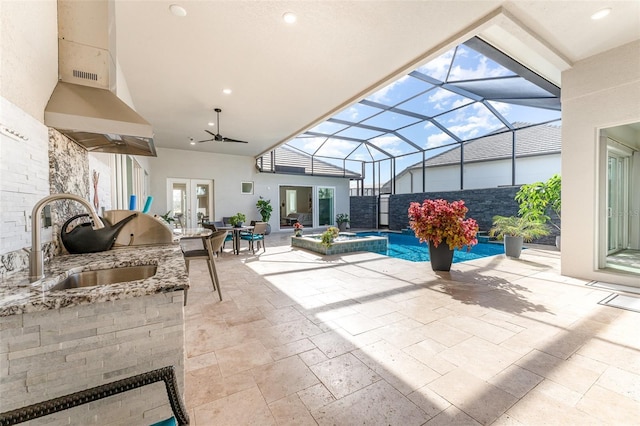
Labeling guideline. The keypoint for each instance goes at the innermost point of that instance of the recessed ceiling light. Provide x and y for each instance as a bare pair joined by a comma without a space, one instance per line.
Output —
178,10
289,17
211,123
601,14
192,141
226,91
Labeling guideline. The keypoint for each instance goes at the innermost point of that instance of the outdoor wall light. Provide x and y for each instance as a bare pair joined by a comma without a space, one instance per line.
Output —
178,10
289,17
601,14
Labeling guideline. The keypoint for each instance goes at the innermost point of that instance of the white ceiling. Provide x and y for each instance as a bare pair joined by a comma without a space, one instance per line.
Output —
286,78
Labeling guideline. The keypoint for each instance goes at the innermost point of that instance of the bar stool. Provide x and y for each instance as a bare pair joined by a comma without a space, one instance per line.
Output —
211,244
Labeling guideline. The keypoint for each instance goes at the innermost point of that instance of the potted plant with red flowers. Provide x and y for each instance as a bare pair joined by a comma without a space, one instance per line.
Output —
443,226
297,229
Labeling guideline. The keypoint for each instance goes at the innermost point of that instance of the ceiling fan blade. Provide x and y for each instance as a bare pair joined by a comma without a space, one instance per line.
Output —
233,140
217,136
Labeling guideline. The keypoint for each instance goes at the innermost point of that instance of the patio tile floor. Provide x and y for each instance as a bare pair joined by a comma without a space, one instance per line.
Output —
364,339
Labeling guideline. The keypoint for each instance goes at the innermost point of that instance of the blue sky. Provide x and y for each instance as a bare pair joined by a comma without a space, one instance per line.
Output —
452,117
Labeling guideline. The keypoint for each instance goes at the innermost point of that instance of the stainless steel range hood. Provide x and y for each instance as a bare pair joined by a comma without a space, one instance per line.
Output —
84,105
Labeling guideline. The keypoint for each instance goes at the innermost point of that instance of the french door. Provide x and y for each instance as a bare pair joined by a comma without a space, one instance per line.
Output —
190,201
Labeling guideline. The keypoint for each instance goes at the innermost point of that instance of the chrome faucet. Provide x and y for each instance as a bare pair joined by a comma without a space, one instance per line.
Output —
36,261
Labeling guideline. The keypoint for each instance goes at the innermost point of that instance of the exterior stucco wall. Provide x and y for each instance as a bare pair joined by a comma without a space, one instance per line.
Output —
599,92
28,54
227,172
487,174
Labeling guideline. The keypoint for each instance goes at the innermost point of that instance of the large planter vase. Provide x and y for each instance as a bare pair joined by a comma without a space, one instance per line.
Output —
441,256
513,246
342,226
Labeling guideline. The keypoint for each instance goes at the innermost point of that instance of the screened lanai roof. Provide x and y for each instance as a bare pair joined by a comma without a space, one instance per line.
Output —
468,92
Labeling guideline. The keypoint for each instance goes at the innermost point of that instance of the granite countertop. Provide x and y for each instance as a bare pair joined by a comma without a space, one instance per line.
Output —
18,295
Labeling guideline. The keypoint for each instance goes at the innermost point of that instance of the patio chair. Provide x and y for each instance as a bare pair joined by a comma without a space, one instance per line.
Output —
215,226
248,232
256,235
212,244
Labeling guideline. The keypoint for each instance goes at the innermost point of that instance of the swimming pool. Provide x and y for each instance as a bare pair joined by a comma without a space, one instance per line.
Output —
408,247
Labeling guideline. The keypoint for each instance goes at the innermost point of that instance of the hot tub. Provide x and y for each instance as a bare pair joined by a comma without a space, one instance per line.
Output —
346,242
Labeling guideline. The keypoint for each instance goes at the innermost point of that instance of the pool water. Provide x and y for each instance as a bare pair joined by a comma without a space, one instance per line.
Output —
408,247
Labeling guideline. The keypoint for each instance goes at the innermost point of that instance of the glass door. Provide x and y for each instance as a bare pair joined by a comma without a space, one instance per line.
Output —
326,206
190,201
617,201
203,208
178,196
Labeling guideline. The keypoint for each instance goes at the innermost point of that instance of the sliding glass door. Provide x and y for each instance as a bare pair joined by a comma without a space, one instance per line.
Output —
619,207
617,201
313,206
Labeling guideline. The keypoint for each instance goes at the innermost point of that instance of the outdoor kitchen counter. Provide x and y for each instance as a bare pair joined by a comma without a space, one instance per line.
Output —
18,295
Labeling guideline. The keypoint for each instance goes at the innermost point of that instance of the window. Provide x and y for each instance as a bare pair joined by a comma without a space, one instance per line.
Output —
127,178
247,188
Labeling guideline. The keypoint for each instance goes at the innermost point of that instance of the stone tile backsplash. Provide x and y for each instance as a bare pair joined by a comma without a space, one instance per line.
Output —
68,171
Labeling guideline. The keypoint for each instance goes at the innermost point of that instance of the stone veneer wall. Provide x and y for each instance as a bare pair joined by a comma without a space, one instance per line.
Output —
483,204
23,180
68,172
363,212
48,354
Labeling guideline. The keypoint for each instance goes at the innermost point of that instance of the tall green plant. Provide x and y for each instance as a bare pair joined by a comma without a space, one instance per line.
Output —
264,209
540,200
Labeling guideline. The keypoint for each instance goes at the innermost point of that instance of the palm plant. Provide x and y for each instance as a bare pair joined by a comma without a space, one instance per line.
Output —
342,218
527,227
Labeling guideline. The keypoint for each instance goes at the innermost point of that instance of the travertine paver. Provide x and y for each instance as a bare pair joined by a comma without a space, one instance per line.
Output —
364,339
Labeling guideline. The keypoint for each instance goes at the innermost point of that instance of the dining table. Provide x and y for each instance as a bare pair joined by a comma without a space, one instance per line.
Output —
191,233
237,231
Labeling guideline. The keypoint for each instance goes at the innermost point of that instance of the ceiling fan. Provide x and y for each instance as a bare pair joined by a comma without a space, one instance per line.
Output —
217,137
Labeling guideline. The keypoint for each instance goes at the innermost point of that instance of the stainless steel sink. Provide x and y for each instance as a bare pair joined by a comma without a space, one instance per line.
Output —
105,276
